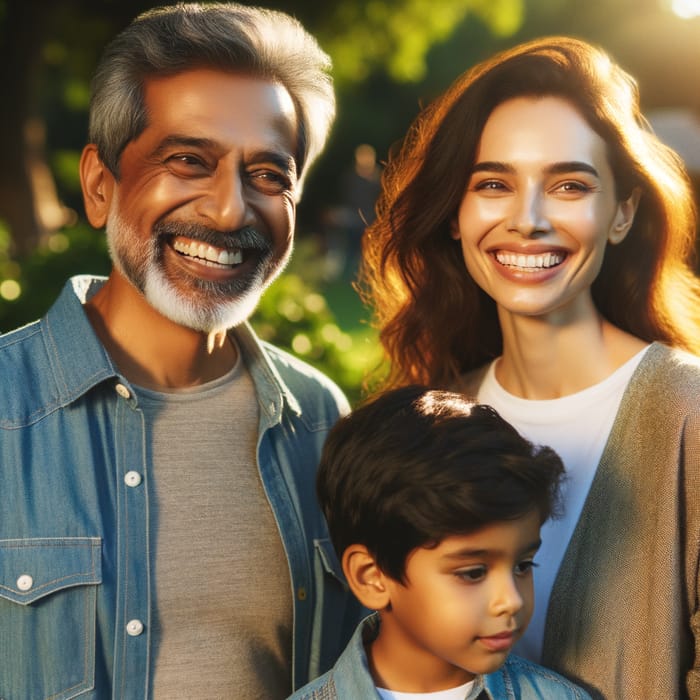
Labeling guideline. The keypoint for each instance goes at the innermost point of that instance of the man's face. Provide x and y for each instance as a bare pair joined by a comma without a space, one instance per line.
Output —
201,219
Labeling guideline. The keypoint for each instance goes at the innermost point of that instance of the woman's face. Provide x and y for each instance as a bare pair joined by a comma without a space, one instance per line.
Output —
539,209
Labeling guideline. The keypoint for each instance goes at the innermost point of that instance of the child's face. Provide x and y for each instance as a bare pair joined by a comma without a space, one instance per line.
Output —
465,603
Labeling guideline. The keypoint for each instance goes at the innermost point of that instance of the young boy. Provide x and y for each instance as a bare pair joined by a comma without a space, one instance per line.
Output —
434,505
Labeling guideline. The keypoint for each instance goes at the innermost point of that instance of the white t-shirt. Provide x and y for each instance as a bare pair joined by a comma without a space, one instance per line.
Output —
458,693
577,428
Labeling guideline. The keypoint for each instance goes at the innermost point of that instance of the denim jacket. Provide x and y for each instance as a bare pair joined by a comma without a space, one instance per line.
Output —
517,679
75,571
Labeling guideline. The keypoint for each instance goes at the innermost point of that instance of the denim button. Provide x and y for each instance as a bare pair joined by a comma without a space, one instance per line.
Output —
301,593
25,582
132,478
134,628
122,391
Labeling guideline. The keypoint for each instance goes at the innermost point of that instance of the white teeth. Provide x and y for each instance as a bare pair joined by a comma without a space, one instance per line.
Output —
529,262
206,252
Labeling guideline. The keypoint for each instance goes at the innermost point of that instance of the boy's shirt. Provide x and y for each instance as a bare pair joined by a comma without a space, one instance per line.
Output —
517,679
458,693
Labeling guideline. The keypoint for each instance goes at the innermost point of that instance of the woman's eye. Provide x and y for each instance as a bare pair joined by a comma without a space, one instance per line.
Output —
489,185
573,187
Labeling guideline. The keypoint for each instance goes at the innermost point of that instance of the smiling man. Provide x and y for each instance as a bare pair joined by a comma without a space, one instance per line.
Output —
159,535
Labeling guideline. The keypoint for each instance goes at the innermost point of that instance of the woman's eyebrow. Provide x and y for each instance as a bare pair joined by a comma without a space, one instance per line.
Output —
560,168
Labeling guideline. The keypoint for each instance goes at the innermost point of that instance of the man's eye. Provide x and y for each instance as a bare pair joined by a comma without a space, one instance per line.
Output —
186,164
270,181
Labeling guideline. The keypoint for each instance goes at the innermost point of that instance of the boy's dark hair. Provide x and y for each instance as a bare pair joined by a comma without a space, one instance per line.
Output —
414,466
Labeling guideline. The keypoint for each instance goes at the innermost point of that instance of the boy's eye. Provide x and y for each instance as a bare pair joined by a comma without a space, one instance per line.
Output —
473,574
524,567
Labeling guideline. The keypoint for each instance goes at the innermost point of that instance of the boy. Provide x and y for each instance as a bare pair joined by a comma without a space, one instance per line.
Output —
434,505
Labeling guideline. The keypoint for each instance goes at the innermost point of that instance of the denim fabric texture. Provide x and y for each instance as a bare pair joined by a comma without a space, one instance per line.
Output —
517,679
76,575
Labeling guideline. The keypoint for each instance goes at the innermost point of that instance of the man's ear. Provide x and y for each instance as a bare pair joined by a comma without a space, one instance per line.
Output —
365,578
98,185
624,217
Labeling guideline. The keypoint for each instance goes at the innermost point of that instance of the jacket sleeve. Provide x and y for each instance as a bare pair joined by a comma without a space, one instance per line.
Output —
691,455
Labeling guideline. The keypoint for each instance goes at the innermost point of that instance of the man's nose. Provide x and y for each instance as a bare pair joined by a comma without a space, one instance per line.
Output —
529,213
225,203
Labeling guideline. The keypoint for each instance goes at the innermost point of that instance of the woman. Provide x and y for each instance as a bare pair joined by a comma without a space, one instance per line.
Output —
532,247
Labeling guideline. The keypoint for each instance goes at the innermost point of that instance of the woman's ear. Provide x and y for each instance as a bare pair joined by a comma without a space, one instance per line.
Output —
624,217
98,185
454,228
365,578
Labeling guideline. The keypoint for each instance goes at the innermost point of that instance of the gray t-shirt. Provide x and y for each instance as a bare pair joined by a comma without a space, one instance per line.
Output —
222,614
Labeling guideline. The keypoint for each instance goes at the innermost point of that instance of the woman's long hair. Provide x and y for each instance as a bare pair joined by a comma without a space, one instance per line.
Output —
435,323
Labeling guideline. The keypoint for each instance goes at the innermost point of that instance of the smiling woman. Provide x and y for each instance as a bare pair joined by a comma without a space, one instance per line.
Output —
532,249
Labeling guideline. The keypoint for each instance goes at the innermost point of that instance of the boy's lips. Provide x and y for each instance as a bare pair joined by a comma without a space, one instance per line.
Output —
499,642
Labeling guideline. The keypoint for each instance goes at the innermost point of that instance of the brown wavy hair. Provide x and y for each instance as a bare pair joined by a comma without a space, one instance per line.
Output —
435,323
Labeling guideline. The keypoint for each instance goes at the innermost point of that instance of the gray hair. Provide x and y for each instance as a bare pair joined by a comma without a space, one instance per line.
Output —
168,40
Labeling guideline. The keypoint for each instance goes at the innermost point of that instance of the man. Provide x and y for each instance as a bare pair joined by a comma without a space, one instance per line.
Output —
159,534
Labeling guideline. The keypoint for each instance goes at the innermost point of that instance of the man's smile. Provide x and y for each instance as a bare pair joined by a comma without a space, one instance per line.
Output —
206,253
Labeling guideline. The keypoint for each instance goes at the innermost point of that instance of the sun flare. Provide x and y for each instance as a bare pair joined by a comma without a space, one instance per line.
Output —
685,9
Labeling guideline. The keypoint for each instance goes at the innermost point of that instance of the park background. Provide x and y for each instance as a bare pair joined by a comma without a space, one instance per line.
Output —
390,58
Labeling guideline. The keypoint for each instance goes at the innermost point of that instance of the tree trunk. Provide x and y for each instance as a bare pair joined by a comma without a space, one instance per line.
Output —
20,59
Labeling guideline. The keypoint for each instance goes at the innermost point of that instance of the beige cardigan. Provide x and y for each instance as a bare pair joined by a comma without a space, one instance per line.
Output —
623,619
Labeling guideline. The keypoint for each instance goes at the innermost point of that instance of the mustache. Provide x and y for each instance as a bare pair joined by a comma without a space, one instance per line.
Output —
247,237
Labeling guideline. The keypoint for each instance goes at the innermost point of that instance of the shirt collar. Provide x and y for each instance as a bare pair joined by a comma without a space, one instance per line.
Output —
78,359
80,362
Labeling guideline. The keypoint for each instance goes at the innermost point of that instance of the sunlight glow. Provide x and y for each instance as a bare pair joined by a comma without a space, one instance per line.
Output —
686,9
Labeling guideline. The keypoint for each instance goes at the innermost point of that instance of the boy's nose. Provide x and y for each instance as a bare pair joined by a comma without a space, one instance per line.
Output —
507,598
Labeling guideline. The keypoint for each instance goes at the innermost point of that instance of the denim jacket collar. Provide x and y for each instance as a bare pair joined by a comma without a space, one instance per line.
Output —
68,335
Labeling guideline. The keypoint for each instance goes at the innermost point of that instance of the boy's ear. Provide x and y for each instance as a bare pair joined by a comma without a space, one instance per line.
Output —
98,185
365,578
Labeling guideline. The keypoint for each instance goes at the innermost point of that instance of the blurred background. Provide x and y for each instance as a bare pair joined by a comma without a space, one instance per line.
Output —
390,57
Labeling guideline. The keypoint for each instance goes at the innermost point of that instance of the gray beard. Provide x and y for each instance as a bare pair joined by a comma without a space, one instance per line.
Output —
207,306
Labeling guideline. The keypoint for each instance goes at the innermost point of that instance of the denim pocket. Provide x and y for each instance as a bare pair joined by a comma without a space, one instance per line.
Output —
48,597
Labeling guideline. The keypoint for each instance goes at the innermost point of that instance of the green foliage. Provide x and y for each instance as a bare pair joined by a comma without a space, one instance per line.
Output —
28,287
397,35
293,314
